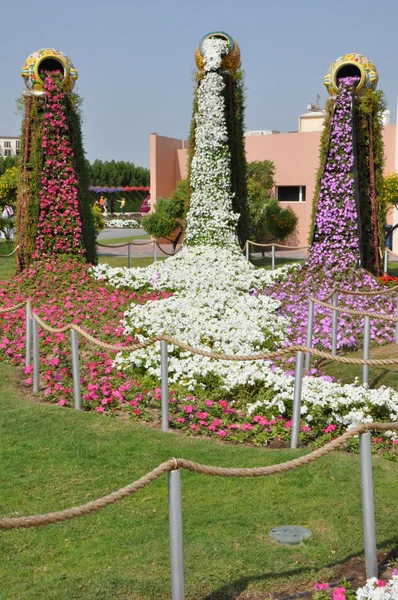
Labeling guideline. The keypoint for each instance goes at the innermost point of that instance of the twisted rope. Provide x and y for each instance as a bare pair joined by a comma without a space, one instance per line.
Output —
376,293
356,313
169,253
181,463
11,253
11,308
125,244
279,246
217,355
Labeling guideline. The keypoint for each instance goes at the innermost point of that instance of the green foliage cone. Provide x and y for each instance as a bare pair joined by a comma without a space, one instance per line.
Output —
28,193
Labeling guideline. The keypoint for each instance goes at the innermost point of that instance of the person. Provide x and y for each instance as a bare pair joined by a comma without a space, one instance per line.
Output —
105,207
101,203
122,205
112,206
7,212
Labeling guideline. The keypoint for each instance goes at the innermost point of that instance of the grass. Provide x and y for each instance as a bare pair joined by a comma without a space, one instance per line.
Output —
265,262
378,376
121,261
53,458
125,240
7,265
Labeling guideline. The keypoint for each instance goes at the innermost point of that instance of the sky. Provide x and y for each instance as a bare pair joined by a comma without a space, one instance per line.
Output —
135,59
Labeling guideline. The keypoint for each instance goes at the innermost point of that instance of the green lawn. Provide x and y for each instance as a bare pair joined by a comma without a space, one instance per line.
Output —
378,376
53,458
125,240
266,262
121,261
7,265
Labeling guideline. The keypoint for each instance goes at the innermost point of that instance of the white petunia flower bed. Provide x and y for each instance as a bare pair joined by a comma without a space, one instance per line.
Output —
373,590
122,223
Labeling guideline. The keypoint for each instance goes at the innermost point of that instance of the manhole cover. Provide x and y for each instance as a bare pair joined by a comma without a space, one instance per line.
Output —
290,534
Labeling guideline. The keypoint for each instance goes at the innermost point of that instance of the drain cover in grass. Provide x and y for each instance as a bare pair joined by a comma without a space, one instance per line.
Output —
290,534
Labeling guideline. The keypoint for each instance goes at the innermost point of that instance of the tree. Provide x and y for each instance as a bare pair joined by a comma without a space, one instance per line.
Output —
266,216
8,186
168,214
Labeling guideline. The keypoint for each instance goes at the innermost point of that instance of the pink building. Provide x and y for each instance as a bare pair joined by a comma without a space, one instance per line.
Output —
295,155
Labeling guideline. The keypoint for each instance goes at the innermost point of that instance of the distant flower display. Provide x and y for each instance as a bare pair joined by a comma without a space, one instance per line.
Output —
115,190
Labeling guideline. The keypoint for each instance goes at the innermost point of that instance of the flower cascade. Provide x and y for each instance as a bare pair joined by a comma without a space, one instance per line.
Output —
334,255
211,220
59,228
335,245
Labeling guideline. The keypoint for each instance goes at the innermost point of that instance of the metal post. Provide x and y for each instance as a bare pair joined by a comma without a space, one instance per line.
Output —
176,537
385,260
310,326
247,250
75,369
155,251
366,344
273,257
298,381
396,324
368,511
335,317
128,256
35,333
28,339
164,385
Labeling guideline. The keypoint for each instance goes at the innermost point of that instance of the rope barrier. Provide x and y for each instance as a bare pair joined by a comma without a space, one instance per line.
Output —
375,293
356,313
11,308
279,246
11,253
125,244
169,253
217,355
181,463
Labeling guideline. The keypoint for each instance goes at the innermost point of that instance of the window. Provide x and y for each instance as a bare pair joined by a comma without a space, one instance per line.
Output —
17,151
7,152
17,144
7,144
290,193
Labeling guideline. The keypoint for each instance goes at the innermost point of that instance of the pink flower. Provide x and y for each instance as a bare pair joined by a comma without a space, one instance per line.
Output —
246,427
221,433
209,402
29,381
202,415
395,441
381,583
28,370
194,427
329,429
217,423
321,586
306,428
377,440
100,409
62,402
339,594
180,420
188,409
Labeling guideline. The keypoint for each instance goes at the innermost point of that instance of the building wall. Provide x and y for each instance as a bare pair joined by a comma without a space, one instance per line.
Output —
166,165
9,146
296,159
